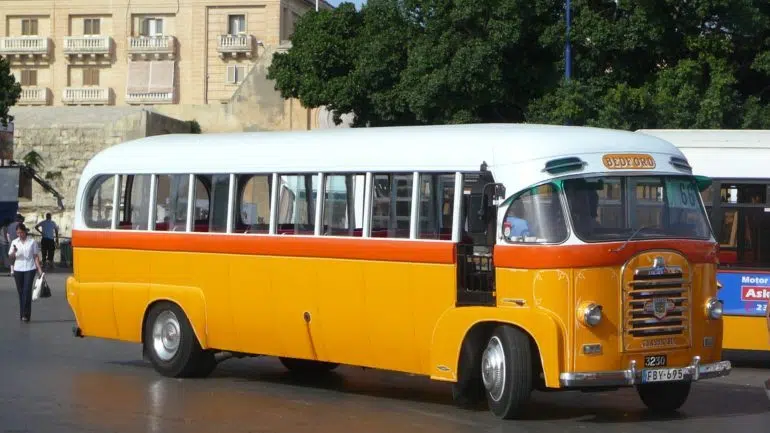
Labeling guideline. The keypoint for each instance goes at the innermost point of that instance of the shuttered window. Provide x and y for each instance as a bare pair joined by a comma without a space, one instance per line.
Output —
29,26
29,77
91,76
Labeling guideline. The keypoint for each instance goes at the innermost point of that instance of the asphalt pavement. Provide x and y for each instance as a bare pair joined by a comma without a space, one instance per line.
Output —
53,382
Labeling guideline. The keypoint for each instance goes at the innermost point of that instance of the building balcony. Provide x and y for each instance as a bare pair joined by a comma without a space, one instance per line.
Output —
89,45
235,45
34,96
149,98
86,95
25,47
155,46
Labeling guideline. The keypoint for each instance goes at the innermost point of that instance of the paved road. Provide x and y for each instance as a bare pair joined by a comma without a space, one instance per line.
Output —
52,382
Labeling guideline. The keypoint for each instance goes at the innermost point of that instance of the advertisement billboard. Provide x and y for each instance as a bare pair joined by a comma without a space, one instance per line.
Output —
744,293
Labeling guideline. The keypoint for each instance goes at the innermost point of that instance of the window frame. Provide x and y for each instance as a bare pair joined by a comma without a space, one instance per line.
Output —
716,210
274,179
95,26
559,190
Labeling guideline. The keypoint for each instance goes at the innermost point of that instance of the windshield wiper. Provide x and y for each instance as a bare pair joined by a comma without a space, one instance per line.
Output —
620,248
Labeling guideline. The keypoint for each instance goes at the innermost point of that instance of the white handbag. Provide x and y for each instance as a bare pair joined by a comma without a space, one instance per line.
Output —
40,288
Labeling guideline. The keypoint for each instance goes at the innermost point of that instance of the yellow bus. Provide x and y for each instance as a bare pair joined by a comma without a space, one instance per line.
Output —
501,258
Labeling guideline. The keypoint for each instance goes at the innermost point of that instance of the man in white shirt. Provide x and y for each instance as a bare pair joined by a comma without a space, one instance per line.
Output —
50,232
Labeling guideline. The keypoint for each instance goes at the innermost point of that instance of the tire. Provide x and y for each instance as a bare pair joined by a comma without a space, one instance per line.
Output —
306,366
664,397
468,392
506,371
171,344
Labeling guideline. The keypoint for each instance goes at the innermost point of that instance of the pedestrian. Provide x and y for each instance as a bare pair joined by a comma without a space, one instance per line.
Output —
11,232
24,255
50,232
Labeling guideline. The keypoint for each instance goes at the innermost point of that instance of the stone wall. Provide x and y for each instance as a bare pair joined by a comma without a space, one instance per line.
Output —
66,138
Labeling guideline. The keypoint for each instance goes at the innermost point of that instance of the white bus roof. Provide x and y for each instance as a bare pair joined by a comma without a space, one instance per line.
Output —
719,153
515,153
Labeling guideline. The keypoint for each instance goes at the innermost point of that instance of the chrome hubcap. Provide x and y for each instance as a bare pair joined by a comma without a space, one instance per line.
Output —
493,369
166,335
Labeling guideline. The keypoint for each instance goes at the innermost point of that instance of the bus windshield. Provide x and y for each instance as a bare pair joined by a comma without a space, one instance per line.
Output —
612,208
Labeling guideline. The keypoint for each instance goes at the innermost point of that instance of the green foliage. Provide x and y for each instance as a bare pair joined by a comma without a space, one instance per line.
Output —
9,91
33,160
195,127
640,64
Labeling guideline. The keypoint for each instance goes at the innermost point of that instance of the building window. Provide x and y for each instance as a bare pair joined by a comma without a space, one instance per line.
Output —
91,76
29,77
236,74
236,24
92,26
29,26
152,27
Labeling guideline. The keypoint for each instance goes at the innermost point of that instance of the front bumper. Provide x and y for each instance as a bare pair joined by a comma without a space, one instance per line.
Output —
693,372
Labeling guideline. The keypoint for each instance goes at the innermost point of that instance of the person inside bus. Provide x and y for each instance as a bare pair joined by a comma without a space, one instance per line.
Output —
584,207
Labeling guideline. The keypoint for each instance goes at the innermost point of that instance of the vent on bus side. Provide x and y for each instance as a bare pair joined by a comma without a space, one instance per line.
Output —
561,165
681,164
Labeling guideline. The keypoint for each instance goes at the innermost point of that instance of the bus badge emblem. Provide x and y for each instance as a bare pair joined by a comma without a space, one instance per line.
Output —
659,307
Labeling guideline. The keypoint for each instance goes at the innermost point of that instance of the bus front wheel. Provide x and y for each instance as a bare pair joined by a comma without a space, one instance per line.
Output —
664,397
506,371
171,344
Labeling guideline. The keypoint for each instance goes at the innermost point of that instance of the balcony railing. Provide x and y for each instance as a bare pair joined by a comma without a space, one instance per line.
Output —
150,98
152,45
33,96
235,44
86,95
25,46
87,45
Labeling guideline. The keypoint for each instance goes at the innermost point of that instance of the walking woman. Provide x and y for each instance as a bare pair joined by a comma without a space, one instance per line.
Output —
25,256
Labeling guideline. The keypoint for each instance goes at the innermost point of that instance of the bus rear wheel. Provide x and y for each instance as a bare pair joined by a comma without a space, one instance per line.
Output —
664,397
306,366
506,371
171,344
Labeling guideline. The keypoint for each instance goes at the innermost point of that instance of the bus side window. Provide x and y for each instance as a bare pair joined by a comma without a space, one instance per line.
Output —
296,204
171,202
98,209
343,205
391,205
201,205
536,216
436,206
135,202
253,198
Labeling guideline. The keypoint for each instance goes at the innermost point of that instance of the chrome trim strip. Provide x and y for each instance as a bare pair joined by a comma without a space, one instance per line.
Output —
633,375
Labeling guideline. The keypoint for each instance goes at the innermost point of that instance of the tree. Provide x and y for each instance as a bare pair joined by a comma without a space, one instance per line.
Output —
665,64
641,64
9,91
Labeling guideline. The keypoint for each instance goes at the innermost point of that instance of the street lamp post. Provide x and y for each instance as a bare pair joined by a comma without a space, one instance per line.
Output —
567,47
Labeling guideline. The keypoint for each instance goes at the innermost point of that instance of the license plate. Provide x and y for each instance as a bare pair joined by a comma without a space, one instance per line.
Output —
655,361
662,375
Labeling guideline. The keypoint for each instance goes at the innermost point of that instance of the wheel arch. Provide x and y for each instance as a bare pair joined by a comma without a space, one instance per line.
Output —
473,326
192,304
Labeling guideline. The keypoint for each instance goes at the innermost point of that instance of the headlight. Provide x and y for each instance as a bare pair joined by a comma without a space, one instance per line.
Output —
591,314
714,309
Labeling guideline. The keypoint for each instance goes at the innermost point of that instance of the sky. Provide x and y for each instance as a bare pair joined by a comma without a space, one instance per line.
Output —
357,2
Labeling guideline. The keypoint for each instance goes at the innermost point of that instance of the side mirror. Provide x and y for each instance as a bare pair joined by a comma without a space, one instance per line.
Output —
499,191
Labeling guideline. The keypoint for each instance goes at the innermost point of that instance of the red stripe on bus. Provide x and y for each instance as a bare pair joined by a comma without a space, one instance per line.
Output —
441,252
594,255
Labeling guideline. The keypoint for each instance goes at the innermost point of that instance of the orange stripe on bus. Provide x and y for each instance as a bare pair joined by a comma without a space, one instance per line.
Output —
321,247
594,255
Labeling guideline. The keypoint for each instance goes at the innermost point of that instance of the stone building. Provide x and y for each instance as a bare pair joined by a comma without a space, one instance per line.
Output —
124,52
